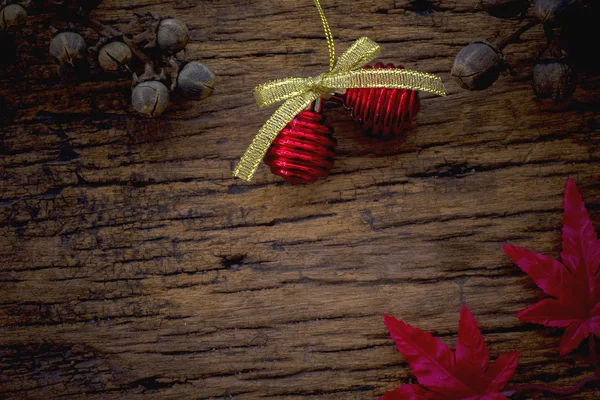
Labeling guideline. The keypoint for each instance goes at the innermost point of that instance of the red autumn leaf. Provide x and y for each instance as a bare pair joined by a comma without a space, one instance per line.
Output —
574,284
444,375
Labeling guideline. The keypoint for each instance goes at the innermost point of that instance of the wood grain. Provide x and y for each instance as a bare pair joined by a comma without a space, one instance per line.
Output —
133,265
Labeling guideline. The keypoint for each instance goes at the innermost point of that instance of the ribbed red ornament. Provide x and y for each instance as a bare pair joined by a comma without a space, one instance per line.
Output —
383,112
304,150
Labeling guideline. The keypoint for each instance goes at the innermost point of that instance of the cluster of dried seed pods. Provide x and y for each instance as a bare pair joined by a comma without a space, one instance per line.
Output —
163,39
478,65
149,43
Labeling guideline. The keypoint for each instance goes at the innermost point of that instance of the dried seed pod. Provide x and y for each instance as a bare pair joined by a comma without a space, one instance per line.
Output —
553,10
172,35
12,15
115,56
504,8
68,48
478,65
554,80
196,81
150,98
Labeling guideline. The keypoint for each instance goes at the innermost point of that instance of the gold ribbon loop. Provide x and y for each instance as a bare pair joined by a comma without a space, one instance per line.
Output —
279,90
269,131
363,51
299,93
387,78
360,53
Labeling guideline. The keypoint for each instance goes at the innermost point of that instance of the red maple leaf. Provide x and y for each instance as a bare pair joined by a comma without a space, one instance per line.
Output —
444,375
574,283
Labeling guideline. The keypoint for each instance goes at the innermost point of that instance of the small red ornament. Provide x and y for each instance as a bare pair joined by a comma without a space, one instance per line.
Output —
304,150
383,112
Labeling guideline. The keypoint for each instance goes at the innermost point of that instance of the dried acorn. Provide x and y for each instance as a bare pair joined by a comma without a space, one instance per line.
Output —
553,10
172,35
115,56
504,8
478,65
150,98
196,81
554,80
68,48
12,15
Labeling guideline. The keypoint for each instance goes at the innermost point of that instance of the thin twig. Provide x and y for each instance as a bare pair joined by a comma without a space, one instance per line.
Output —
109,31
514,37
138,53
102,29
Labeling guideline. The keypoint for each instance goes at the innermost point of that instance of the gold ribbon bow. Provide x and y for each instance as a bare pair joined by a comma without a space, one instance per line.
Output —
299,93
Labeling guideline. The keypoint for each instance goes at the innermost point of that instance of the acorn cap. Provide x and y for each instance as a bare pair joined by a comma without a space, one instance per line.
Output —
554,80
478,65
149,75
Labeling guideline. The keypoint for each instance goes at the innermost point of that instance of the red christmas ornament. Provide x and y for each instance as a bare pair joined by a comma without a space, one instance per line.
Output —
304,150
383,112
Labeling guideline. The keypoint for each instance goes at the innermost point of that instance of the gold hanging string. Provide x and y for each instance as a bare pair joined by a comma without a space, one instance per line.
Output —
328,35
299,93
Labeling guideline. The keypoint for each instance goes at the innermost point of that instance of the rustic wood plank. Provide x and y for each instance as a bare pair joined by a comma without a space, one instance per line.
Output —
134,265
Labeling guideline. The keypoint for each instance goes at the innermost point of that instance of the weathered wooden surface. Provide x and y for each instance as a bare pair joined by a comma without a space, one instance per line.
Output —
132,264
